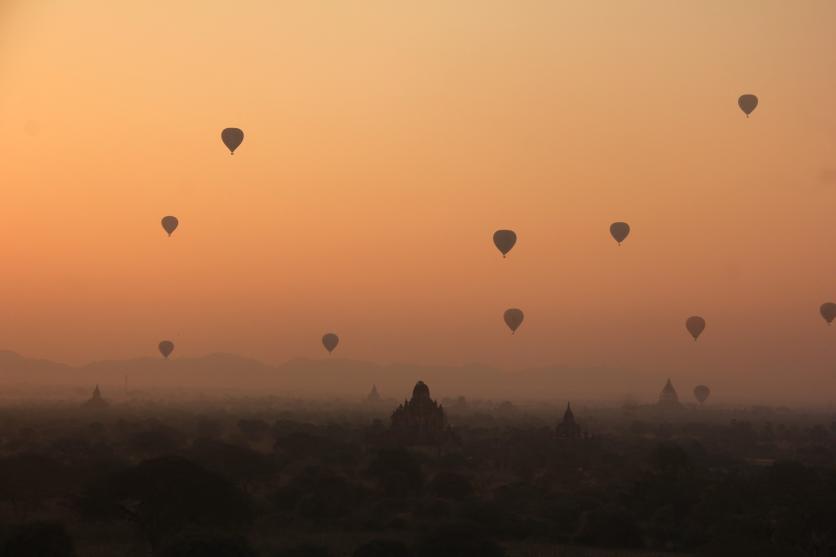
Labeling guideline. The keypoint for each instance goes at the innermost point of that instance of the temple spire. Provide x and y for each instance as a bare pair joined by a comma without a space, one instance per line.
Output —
96,400
668,396
568,428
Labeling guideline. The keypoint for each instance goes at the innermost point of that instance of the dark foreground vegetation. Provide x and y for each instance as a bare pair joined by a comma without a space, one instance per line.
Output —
276,478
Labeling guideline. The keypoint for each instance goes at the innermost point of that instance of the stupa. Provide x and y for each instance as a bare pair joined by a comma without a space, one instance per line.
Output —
96,401
668,397
568,428
374,396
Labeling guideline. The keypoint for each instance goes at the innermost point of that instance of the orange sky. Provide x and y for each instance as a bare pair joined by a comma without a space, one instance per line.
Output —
385,142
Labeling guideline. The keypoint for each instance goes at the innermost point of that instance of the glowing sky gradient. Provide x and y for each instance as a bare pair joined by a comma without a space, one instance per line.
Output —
385,142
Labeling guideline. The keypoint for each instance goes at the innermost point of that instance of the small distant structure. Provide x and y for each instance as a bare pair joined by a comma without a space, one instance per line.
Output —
668,397
420,420
506,407
568,428
96,401
373,396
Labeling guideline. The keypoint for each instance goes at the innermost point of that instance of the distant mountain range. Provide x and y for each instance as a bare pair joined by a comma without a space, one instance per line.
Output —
328,377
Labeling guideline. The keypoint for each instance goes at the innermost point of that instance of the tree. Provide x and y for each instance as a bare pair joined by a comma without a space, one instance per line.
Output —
671,459
241,464
209,545
609,526
398,472
317,493
168,495
253,429
459,539
26,480
39,539
451,485
305,550
382,548
155,441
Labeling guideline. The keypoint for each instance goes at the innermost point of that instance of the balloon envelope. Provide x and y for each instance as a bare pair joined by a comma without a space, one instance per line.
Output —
504,240
166,348
695,325
232,138
747,103
330,341
828,311
513,318
619,231
170,224
701,393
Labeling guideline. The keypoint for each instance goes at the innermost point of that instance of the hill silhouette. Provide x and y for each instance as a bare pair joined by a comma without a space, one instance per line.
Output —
329,377
325,377
16,369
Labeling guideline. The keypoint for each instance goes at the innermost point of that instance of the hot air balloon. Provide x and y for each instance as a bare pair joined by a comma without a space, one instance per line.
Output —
619,231
701,393
513,318
695,325
828,311
232,138
504,240
330,341
166,348
747,103
170,224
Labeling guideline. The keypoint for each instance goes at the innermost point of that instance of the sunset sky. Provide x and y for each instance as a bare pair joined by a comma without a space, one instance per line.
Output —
385,142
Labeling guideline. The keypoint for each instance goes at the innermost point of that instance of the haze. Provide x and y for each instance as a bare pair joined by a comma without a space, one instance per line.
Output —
385,143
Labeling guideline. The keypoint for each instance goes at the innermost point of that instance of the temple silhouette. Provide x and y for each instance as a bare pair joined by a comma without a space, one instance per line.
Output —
96,401
668,399
373,396
568,428
420,420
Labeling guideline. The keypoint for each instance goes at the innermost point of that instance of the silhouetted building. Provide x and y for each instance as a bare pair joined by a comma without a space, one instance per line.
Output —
96,401
374,396
420,420
668,397
568,428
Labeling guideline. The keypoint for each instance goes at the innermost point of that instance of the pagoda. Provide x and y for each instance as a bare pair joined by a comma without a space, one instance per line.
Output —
568,428
96,401
373,396
668,397
420,420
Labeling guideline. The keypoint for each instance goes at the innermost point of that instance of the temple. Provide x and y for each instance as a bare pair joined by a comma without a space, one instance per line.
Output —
373,396
420,420
568,428
96,401
668,397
